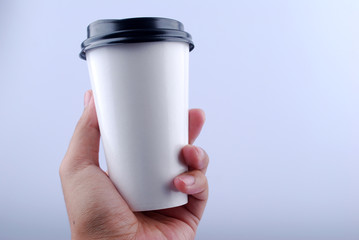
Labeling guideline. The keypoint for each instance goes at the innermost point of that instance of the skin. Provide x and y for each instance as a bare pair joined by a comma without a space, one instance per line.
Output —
95,208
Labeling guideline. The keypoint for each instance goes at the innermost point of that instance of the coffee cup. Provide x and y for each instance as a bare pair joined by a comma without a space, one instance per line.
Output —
139,76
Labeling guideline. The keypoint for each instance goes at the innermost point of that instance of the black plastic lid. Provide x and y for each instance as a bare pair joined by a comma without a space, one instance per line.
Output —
133,30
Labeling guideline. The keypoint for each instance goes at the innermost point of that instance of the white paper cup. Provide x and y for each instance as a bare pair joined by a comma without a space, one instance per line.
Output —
141,95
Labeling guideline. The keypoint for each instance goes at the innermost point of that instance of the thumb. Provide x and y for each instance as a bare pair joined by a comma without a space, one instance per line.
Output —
84,146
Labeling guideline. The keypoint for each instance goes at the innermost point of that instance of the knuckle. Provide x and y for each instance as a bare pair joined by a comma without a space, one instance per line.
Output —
203,157
198,174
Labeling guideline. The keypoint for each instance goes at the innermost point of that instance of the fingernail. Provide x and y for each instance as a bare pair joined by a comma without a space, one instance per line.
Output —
200,155
187,179
87,98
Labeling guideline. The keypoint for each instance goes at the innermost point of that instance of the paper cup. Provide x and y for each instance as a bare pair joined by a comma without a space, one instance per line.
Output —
139,75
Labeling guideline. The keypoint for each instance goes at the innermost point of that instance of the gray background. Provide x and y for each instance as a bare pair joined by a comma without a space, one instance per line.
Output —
277,79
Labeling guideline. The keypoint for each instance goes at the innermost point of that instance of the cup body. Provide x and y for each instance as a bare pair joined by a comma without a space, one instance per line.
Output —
141,98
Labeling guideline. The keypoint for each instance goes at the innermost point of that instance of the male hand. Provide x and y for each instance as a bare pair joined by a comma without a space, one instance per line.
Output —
95,208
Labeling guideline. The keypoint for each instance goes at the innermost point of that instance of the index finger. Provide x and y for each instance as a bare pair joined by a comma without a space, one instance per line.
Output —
196,120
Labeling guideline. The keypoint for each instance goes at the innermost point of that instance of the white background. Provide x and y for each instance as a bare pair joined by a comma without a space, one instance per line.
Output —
279,81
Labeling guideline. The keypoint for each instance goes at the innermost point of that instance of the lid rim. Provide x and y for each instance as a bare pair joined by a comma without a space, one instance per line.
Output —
126,41
134,30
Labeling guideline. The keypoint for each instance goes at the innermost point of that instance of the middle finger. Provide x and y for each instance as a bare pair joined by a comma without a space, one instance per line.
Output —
195,158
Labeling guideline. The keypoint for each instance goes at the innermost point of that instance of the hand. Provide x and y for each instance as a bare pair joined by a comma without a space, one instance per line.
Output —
95,208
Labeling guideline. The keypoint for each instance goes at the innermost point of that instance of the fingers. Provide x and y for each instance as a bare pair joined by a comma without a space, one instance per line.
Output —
195,158
84,146
193,183
196,120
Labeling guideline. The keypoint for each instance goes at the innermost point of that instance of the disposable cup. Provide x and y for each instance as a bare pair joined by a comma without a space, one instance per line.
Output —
139,76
